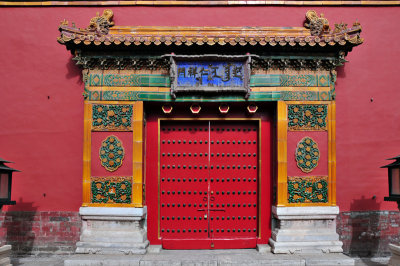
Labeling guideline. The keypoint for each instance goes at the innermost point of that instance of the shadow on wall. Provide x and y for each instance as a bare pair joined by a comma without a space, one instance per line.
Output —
73,70
39,232
19,228
340,72
368,233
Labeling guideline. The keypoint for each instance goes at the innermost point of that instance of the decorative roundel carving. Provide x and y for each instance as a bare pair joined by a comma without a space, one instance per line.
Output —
307,154
111,153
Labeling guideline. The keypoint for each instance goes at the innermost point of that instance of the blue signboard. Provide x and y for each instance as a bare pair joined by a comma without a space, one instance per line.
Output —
210,74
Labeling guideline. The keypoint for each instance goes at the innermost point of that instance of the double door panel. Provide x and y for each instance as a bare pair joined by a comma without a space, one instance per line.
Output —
208,184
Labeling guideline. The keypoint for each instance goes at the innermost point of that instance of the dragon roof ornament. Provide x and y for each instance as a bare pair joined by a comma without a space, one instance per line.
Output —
101,24
317,25
101,31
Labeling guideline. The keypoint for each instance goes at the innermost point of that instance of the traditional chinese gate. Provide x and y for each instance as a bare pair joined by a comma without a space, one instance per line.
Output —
209,184
275,91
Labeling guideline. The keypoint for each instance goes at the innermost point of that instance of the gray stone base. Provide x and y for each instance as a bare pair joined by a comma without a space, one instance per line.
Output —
112,231
263,248
306,247
5,252
395,258
154,249
305,230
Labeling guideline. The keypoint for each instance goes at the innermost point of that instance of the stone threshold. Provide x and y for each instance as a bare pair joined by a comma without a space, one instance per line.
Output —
210,257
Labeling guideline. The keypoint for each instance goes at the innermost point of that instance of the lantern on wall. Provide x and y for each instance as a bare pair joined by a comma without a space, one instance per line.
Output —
394,179
5,183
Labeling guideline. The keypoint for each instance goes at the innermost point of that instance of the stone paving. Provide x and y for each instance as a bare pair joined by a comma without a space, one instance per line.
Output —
199,258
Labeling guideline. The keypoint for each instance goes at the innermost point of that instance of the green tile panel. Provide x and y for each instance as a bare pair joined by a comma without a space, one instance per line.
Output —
166,96
156,80
133,80
278,80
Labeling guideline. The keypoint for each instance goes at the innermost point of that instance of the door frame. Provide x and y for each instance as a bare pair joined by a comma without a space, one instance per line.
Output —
152,182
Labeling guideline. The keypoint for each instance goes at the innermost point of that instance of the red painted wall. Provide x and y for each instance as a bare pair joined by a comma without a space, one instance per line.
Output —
42,105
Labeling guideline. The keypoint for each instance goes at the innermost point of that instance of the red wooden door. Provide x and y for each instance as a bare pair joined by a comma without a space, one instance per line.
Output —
233,184
184,183
209,184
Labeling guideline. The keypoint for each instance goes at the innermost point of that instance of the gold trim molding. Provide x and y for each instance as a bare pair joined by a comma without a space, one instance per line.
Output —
200,3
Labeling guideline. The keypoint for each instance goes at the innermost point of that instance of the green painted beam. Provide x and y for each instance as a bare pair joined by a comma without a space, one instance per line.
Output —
280,80
259,80
133,80
166,97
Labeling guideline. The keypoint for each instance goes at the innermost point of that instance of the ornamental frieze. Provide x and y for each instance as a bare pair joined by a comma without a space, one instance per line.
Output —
162,63
307,117
112,117
111,153
196,73
121,62
307,154
300,63
299,95
298,80
310,189
143,95
133,80
283,80
111,189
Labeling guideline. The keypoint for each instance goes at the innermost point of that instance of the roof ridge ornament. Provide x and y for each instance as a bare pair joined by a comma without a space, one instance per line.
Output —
317,25
101,24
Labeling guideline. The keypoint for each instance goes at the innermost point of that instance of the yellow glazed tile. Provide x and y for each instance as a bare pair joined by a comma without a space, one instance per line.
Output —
137,172
137,194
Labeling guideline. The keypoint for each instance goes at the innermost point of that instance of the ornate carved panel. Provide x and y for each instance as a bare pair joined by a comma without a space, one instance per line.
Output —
307,154
308,189
112,117
307,117
111,153
111,189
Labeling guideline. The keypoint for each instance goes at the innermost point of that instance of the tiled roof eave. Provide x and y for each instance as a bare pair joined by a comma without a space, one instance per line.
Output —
188,36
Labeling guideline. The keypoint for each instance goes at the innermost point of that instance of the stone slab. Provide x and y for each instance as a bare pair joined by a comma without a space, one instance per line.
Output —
306,213
210,257
113,212
314,247
58,260
154,249
329,260
395,258
5,252
263,248
103,260
44,260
